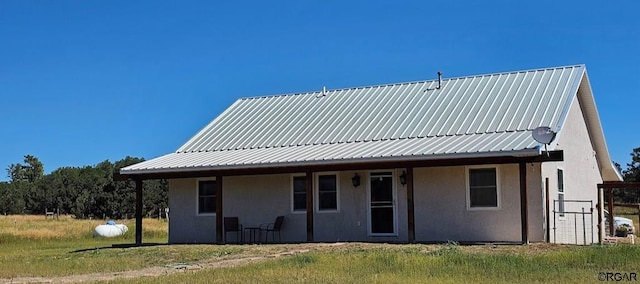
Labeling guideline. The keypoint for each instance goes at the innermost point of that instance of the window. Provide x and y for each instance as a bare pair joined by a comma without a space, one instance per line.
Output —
561,192
483,188
299,184
327,192
206,197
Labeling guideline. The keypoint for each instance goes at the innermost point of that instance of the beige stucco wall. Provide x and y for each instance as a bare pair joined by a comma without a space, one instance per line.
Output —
441,212
440,208
351,223
254,199
259,199
581,176
185,226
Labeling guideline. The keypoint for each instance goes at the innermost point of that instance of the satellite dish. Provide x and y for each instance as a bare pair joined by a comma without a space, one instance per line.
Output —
544,135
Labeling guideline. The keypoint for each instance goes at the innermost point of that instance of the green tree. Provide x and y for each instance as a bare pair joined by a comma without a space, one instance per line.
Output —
31,171
34,168
24,178
15,172
61,189
12,199
632,173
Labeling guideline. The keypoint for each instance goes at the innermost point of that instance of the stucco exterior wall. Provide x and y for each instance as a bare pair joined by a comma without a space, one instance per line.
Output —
259,199
254,199
581,176
441,212
185,226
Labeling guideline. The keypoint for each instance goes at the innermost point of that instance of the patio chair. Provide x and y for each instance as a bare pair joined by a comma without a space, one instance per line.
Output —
272,228
232,224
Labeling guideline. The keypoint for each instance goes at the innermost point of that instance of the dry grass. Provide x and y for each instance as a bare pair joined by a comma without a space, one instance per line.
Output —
38,228
36,246
33,227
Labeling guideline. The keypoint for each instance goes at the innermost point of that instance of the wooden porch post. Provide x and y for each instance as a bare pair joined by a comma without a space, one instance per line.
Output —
547,202
138,212
411,230
610,209
599,208
309,188
524,218
219,223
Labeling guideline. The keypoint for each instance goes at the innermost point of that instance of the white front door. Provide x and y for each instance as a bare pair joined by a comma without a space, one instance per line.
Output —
382,205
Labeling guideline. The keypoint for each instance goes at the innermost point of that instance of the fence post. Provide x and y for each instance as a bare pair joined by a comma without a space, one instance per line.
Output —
591,218
555,234
584,228
575,227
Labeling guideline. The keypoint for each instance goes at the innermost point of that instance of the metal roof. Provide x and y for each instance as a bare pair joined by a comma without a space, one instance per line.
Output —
467,116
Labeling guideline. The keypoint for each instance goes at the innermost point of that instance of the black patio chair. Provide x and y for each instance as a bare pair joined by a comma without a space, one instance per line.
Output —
232,224
272,228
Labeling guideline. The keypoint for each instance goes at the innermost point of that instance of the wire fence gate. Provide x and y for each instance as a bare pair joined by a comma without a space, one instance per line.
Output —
573,222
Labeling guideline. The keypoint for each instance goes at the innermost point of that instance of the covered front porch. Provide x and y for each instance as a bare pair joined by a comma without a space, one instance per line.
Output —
258,195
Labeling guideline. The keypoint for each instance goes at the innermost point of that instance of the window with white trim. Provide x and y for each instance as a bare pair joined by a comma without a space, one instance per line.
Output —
482,188
206,197
327,185
299,193
561,192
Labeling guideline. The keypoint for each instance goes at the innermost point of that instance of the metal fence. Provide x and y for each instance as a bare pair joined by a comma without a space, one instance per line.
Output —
573,222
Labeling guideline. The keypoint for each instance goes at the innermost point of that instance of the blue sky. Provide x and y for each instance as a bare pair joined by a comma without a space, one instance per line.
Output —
86,81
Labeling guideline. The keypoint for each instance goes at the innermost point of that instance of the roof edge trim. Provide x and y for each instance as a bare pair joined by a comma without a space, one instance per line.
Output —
594,126
516,153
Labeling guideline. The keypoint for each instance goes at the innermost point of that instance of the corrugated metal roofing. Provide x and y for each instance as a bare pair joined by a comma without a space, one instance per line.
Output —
475,115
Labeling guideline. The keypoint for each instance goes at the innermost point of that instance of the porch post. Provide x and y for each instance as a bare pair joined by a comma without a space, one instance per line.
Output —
309,189
410,210
599,207
219,229
138,212
524,218
610,209
547,202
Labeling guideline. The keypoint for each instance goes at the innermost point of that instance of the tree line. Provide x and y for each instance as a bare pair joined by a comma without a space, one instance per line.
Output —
85,192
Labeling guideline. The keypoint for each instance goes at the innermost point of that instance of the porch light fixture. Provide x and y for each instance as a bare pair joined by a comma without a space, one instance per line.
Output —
403,178
355,180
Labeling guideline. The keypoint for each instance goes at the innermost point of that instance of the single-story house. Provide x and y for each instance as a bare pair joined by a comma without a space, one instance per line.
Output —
427,161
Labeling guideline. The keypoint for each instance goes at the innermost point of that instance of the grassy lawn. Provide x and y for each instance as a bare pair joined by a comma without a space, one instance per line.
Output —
34,247
430,264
